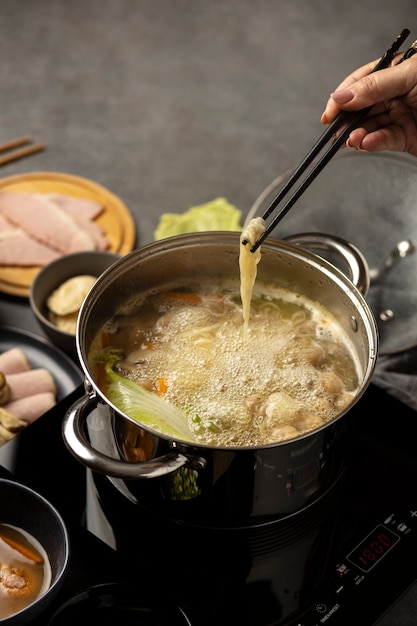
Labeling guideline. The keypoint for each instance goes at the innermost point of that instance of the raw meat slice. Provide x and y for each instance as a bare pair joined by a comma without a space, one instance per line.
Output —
33,390
45,220
13,361
83,211
19,249
95,231
5,224
29,383
78,207
31,407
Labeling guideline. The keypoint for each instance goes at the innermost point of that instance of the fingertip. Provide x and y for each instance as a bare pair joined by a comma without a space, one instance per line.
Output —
342,96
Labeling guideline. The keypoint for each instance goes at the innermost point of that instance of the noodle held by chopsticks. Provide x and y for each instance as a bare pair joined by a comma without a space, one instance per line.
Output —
248,263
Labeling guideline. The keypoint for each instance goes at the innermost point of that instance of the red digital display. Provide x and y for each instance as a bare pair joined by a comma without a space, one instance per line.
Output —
373,548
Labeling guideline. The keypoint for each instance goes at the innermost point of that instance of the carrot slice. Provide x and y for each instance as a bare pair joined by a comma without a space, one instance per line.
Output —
26,551
162,386
182,296
105,339
101,377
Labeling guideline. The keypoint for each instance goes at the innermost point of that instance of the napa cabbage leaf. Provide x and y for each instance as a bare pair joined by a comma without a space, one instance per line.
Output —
140,404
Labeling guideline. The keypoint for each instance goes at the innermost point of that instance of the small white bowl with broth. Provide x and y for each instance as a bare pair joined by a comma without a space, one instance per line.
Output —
58,290
34,553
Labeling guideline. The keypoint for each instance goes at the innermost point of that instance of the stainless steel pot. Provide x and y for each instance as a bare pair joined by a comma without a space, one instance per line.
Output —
219,485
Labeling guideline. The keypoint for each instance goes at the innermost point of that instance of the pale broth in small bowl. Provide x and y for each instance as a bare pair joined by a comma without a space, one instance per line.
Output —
34,553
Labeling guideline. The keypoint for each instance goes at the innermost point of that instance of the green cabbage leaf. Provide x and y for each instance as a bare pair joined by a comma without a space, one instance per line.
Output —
140,404
218,214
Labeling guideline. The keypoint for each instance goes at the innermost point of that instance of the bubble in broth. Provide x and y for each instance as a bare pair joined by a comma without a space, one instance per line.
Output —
292,370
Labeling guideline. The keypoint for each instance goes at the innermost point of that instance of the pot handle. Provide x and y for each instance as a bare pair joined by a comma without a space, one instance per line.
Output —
77,441
358,268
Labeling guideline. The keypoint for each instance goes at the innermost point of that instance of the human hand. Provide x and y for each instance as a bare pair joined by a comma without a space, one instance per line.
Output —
392,92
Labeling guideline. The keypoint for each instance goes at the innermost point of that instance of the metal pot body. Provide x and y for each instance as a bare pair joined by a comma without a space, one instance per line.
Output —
212,485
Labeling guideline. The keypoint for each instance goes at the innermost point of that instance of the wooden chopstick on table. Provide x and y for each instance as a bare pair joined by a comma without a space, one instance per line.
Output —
13,154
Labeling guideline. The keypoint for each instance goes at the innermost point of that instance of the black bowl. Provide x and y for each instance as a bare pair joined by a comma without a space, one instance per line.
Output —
50,277
119,603
26,509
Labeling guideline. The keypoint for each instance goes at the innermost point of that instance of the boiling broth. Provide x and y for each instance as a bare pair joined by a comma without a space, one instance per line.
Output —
296,372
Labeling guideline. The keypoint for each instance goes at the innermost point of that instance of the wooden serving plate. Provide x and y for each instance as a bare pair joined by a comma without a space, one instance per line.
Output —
116,220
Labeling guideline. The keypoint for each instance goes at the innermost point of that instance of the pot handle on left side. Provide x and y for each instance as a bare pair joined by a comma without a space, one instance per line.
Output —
358,268
77,442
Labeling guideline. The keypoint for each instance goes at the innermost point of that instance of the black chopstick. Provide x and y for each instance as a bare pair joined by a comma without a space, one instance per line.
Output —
330,131
409,53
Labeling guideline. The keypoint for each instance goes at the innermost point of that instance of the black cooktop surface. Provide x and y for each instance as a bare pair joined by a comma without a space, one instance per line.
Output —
373,564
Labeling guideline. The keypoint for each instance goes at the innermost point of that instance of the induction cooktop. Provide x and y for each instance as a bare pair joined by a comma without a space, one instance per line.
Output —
372,567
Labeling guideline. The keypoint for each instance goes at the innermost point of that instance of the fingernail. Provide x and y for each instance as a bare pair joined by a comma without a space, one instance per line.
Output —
342,96
323,118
